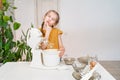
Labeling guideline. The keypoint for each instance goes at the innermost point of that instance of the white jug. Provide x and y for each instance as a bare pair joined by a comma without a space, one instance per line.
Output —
33,40
51,57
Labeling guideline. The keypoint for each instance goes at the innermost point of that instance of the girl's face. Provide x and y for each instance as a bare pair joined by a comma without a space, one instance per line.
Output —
51,19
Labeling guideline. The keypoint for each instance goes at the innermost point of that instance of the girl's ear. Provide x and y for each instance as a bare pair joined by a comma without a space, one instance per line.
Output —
43,19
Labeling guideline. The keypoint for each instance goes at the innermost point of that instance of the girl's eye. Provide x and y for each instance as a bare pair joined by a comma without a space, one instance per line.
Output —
49,16
53,19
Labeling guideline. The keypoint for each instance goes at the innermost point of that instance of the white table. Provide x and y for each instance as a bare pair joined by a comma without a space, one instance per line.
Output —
23,71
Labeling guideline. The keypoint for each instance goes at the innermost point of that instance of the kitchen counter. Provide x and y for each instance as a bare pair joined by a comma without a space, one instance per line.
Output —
23,71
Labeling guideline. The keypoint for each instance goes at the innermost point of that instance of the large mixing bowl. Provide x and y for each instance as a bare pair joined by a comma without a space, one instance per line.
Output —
51,57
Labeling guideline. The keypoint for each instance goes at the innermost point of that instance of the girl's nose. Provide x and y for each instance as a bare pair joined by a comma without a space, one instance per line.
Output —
50,18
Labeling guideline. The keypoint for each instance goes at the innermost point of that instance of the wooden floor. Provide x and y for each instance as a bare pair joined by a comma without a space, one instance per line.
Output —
113,67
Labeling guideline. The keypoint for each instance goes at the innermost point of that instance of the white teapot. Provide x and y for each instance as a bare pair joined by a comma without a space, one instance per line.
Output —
33,40
51,57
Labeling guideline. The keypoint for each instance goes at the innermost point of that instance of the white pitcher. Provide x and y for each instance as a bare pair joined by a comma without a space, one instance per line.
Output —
33,40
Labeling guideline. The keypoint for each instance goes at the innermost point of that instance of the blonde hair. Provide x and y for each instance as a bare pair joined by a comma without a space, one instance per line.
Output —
58,17
57,20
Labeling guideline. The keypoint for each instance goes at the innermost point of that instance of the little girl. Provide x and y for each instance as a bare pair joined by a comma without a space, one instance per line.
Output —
51,33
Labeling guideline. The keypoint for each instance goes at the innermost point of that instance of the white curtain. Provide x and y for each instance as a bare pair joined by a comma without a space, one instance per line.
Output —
42,6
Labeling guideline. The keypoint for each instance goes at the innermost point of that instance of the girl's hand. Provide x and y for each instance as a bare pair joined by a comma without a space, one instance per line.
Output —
48,27
43,45
48,30
62,50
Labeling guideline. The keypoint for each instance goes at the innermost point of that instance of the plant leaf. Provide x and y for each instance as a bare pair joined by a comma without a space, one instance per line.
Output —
6,18
14,7
1,12
4,24
11,19
9,34
32,25
3,1
16,25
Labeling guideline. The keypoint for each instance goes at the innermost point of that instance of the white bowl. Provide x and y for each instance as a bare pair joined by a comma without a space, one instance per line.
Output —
51,57
69,60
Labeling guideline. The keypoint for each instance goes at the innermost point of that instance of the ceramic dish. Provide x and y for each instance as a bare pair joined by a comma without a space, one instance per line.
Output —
69,60
83,60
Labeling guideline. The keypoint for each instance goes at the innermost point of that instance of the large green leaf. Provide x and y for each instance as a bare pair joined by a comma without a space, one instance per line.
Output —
7,46
3,24
3,1
13,44
9,34
6,18
5,5
9,57
16,25
11,19
1,12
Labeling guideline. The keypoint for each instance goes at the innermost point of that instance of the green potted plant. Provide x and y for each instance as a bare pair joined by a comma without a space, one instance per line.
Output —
11,50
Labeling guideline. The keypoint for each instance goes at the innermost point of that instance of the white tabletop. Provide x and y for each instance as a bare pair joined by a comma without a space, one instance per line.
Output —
23,71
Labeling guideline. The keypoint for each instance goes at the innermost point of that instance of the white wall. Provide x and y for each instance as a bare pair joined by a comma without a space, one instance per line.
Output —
43,6
91,27
25,14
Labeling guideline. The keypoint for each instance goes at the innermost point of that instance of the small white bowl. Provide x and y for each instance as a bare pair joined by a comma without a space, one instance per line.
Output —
83,60
69,60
